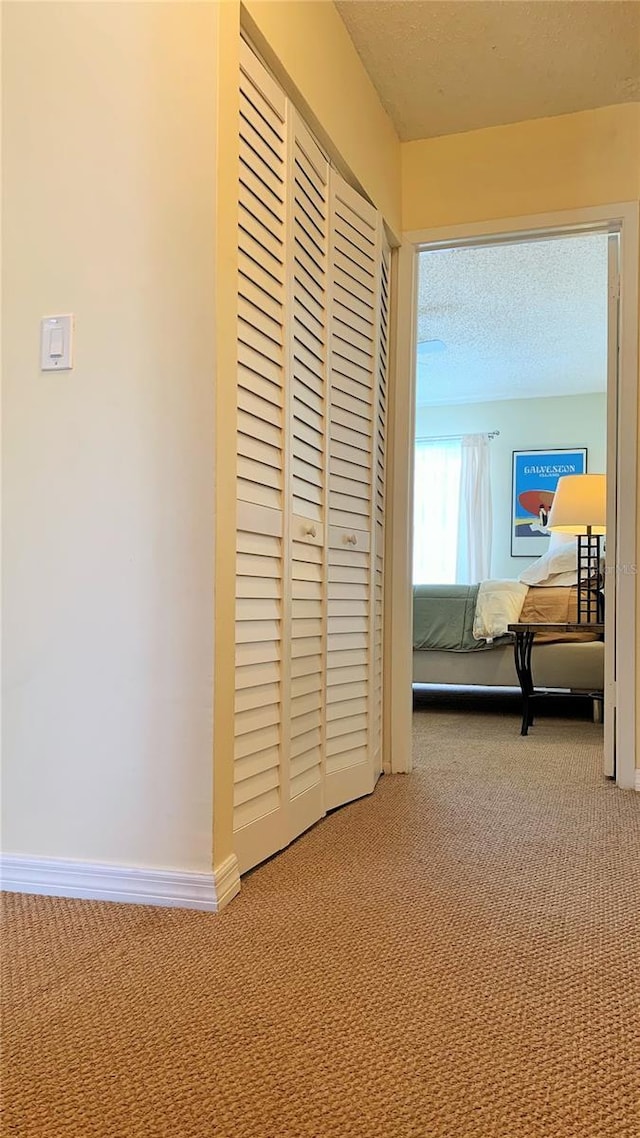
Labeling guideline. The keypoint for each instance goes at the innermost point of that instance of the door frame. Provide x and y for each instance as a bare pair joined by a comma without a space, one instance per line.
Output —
622,218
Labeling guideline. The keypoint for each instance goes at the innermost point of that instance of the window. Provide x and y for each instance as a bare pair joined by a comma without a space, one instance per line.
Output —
436,516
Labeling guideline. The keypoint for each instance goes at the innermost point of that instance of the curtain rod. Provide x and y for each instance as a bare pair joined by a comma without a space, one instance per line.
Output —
446,438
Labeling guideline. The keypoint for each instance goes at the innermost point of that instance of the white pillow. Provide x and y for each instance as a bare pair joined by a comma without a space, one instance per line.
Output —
498,604
558,566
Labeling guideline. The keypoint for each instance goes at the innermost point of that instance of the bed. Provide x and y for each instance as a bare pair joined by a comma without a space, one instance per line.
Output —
459,636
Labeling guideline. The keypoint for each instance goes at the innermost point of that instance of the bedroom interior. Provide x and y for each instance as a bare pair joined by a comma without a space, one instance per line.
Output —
511,397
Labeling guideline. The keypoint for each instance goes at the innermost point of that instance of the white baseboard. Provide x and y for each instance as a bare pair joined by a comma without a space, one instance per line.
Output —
226,878
637,782
136,885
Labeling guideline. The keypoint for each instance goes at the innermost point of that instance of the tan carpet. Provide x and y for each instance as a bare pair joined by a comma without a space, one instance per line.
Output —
456,956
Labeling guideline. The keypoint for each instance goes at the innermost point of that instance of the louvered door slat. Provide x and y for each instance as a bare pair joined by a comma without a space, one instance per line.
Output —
308,395
305,284
353,278
308,321
358,313
257,373
355,247
307,431
351,384
257,275
262,137
261,234
354,439
306,646
342,711
259,408
256,252
261,325
347,573
270,199
251,289
351,420
307,233
353,214
350,486
263,695
309,308
345,403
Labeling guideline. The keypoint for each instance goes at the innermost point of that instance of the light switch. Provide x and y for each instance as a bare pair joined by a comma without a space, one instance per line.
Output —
56,343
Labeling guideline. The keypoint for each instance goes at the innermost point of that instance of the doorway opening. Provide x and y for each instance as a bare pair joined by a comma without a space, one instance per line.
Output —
617,227
511,395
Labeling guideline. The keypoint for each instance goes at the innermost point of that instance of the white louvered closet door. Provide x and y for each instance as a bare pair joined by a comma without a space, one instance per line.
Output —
312,375
351,717
260,764
307,388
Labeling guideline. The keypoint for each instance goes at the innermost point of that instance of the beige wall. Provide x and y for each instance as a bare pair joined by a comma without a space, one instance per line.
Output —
108,211
544,165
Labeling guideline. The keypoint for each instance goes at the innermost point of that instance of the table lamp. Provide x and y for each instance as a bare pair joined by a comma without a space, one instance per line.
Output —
580,507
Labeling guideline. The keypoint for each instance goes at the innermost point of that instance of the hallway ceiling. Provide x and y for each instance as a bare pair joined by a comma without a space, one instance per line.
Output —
512,321
446,67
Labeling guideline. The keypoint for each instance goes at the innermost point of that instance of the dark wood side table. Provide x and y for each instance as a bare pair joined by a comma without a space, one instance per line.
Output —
524,637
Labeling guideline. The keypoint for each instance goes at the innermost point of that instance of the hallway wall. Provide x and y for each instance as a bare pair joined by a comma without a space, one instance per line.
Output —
566,162
108,211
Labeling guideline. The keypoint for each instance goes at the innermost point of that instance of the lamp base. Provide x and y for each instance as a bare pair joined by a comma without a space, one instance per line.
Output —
590,600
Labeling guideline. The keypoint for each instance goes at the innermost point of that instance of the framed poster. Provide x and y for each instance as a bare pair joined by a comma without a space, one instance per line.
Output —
534,480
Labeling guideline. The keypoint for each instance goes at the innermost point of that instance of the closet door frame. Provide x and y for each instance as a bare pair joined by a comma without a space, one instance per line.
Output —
380,485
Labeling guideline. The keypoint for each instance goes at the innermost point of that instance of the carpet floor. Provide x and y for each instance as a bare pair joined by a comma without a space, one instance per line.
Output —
456,956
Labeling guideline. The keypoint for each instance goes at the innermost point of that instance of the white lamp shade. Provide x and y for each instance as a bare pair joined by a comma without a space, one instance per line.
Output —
579,504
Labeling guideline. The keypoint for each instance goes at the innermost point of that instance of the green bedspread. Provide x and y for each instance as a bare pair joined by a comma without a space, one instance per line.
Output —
443,618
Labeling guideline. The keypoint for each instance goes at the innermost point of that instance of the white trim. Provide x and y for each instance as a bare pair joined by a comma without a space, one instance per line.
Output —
226,881
136,885
627,506
610,584
398,611
520,228
637,781
620,217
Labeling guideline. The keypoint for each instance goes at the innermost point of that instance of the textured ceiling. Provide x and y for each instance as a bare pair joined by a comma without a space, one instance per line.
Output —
513,321
445,67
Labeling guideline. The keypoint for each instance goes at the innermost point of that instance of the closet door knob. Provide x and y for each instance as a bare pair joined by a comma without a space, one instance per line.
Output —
310,531
351,539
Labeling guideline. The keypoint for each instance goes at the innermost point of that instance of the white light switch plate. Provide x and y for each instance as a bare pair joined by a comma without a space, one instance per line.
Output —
56,342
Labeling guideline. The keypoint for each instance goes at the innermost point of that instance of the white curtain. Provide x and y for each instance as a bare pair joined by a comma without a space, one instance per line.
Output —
473,562
436,511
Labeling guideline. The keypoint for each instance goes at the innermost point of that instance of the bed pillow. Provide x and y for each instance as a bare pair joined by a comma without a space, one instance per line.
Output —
558,566
498,605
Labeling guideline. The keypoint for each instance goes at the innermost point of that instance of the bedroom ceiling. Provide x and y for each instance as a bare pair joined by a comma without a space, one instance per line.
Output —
458,65
512,321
